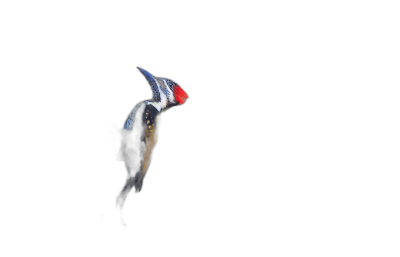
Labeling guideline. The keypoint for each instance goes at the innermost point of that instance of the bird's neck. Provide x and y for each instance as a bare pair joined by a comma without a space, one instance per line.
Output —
160,102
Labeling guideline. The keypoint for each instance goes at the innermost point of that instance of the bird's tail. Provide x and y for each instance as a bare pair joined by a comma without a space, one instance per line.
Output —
123,196
131,182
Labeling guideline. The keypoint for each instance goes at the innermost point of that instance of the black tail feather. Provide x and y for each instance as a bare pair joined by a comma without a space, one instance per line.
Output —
123,197
138,183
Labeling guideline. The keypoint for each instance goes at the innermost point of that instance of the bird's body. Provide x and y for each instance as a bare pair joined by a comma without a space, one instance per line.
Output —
139,134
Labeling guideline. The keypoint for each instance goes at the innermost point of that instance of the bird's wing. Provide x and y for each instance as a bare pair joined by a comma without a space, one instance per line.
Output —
128,125
150,126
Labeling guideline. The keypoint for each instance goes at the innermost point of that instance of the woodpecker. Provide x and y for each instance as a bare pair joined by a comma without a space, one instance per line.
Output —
139,134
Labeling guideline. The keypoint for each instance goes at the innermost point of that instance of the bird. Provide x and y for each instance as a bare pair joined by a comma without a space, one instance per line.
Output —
139,133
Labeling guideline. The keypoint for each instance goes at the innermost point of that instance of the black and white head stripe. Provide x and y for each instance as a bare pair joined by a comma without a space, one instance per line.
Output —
169,83
163,90
169,86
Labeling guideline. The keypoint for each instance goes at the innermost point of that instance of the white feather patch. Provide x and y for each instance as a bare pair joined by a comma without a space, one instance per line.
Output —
164,100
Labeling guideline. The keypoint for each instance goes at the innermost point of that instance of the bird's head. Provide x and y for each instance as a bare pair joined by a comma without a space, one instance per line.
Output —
166,91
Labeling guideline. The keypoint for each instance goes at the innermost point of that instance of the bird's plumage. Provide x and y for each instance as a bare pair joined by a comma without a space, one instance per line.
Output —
139,134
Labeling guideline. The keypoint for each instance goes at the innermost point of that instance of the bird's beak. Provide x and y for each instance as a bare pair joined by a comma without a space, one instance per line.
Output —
147,75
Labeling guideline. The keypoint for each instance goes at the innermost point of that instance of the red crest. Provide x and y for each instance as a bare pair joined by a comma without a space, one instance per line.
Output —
180,95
